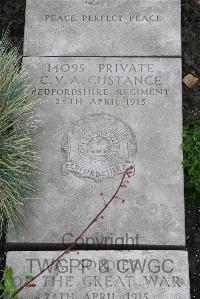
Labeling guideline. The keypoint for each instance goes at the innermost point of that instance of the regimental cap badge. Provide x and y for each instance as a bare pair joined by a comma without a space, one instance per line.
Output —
98,146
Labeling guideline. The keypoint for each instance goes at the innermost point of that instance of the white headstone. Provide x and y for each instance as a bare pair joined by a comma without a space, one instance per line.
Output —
103,28
97,117
104,275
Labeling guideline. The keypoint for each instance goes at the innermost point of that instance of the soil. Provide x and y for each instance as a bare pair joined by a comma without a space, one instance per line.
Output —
191,53
12,12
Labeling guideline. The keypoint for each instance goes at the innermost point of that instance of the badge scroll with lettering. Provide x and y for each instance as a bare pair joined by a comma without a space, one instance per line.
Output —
98,146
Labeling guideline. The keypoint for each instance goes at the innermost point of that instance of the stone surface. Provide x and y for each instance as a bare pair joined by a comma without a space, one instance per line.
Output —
95,117
103,28
104,275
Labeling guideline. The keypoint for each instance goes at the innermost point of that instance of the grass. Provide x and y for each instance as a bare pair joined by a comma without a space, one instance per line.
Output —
17,155
191,162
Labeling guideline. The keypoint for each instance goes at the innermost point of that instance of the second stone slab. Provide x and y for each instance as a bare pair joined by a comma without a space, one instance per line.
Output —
95,117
